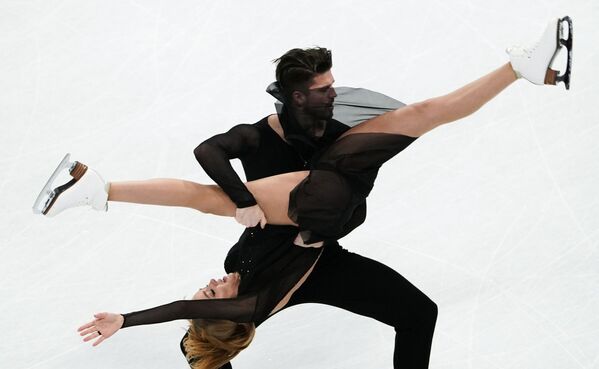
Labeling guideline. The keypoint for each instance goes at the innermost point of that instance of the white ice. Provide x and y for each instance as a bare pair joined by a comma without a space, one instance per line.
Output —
495,217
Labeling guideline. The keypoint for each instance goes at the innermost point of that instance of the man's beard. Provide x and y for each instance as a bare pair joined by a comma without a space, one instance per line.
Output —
322,112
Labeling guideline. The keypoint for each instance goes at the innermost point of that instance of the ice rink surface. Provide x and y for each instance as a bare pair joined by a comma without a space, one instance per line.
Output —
495,217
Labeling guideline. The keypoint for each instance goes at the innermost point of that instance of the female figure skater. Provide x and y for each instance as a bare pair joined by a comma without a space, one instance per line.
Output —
321,202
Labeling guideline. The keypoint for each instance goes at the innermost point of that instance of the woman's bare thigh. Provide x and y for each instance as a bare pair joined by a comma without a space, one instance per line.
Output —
408,121
272,194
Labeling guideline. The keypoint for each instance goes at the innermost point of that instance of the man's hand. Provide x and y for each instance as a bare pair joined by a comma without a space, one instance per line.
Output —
250,216
102,327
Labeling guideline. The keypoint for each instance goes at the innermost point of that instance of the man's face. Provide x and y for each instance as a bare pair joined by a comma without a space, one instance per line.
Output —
320,96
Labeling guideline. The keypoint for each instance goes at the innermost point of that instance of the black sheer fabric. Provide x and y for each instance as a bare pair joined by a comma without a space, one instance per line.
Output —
241,309
331,201
255,145
214,156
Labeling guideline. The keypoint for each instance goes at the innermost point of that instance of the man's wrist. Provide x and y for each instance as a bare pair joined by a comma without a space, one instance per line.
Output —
246,204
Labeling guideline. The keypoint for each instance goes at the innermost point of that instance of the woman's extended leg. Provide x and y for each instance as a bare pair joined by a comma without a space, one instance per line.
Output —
416,119
271,193
209,199
88,188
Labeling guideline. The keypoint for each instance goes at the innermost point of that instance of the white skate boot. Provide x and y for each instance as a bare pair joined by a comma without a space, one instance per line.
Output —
86,188
534,63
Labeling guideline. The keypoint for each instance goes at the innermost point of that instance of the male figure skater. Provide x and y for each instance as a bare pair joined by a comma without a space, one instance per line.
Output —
290,141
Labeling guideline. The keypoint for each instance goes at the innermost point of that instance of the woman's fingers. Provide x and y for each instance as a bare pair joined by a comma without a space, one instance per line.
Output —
263,221
89,331
87,325
91,336
99,341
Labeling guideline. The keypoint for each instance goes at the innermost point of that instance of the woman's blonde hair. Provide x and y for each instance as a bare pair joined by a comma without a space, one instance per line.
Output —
213,343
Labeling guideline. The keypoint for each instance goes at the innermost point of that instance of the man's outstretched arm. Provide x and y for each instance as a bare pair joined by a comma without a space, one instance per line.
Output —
215,154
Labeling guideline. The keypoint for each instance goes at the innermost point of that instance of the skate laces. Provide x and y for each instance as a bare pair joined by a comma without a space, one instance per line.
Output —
520,51
529,50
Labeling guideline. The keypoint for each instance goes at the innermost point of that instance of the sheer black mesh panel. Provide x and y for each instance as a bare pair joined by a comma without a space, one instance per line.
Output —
330,202
214,156
240,309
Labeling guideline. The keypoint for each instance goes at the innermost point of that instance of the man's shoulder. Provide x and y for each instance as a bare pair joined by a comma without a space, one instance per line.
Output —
269,125
262,123
260,126
251,129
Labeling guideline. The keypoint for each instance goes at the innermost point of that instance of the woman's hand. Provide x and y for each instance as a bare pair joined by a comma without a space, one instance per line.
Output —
102,327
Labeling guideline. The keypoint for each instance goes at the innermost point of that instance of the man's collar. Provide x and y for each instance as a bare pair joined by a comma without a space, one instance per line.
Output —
274,89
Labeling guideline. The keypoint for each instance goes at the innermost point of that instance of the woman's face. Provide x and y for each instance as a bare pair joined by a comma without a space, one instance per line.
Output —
224,288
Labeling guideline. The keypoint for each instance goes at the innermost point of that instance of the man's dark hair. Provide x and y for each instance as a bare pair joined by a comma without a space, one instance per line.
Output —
296,67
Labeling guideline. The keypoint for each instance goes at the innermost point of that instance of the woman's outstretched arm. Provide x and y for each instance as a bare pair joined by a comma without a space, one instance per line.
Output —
271,193
416,119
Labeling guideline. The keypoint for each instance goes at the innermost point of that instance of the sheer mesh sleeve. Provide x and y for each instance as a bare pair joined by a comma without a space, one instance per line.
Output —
214,156
240,310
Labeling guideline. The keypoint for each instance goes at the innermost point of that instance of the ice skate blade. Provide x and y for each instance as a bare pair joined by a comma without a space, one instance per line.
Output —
552,77
567,43
46,193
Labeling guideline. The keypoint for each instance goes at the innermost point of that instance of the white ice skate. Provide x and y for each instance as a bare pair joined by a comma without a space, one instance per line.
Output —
534,63
86,188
